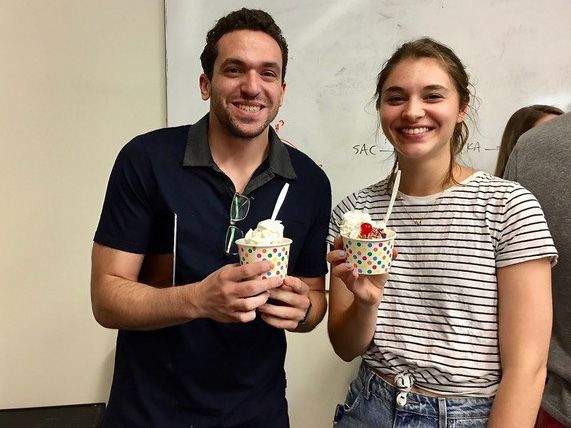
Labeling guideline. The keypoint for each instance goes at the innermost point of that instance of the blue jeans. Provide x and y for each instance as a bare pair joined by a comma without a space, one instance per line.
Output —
371,402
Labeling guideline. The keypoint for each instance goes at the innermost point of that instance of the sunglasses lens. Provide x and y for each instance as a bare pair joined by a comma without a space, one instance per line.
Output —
238,211
239,207
232,235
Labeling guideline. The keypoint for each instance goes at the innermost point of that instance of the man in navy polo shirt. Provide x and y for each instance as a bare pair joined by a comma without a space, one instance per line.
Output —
209,352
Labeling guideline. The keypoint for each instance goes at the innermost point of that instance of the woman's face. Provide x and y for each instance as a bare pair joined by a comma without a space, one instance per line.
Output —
419,109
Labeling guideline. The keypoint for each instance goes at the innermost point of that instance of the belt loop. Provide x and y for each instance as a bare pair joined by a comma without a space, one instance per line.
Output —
366,374
369,381
442,419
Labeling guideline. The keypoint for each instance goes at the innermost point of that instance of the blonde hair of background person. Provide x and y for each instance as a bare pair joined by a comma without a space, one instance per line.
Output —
457,333
522,121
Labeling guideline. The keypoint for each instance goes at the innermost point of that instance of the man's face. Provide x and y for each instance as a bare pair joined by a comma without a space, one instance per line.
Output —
246,90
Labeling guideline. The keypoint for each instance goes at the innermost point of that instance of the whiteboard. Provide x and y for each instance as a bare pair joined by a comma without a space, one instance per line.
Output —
517,53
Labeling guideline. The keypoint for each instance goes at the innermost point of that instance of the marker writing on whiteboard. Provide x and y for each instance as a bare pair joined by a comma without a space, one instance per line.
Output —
277,128
369,150
477,147
278,125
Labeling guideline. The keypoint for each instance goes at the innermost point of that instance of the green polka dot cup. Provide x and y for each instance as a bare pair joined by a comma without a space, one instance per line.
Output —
370,256
277,254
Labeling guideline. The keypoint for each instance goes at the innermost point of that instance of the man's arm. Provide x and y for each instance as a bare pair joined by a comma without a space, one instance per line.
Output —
120,301
318,304
525,315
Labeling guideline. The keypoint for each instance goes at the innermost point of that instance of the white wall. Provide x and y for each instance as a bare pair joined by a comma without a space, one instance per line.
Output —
316,378
78,79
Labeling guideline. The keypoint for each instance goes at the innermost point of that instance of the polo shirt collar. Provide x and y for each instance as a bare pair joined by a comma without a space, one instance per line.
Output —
197,152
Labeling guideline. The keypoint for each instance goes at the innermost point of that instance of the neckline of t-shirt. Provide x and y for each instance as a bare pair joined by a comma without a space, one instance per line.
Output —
432,198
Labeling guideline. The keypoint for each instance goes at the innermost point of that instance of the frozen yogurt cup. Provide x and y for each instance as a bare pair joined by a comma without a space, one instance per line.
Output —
368,244
266,242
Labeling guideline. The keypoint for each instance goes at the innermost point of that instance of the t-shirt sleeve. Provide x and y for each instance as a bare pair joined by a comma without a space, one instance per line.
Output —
524,233
312,259
126,221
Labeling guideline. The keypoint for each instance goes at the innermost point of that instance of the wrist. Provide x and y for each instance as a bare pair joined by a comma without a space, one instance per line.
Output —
189,296
306,316
368,302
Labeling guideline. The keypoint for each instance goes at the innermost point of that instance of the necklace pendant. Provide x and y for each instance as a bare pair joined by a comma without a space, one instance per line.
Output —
417,222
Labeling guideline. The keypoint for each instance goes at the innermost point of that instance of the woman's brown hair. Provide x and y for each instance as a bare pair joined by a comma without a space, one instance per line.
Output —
521,121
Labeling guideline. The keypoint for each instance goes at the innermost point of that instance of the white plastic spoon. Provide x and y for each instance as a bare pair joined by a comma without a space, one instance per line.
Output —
280,201
393,197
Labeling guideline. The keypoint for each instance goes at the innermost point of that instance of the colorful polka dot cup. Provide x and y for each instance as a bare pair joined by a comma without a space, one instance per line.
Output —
370,256
277,254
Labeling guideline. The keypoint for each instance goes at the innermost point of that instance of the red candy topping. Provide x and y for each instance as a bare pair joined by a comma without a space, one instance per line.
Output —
370,232
366,228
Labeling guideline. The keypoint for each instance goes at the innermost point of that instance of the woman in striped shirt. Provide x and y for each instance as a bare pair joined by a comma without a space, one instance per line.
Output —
456,335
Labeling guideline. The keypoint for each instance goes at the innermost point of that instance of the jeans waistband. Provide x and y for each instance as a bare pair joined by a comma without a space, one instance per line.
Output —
454,406
388,379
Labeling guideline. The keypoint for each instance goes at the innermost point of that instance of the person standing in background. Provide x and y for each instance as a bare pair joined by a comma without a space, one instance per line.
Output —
541,161
210,351
521,121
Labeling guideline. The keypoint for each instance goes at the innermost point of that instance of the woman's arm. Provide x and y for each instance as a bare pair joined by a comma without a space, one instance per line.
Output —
353,305
525,316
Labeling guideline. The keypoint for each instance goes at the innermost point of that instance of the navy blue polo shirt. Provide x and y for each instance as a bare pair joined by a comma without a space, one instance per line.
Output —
204,373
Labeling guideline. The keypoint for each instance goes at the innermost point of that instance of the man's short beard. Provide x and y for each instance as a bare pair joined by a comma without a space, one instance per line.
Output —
233,127
236,131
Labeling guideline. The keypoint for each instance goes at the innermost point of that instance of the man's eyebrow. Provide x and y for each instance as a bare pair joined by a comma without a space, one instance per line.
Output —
271,64
229,61
237,61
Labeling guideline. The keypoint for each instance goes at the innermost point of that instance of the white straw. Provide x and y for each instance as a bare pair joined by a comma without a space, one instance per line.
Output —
393,196
280,201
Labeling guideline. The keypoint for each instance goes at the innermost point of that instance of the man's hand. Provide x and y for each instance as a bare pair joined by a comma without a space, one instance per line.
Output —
288,304
229,295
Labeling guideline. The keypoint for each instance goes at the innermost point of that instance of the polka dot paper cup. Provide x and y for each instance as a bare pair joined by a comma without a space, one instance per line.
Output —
278,254
370,256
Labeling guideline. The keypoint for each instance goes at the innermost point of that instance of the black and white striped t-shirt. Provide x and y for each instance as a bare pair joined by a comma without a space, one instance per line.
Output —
438,317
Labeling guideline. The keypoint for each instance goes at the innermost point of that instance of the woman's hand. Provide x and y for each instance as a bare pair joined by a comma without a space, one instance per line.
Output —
367,289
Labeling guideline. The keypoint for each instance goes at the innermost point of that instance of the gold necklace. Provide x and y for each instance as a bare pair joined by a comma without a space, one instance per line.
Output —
431,207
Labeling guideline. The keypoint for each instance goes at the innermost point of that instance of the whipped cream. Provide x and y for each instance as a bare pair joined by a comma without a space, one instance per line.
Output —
268,232
352,220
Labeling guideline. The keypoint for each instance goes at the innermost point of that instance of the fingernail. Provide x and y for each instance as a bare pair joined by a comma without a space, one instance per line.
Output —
348,265
342,253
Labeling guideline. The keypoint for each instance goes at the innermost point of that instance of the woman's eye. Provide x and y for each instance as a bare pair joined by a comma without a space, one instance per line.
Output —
434,97
394,100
